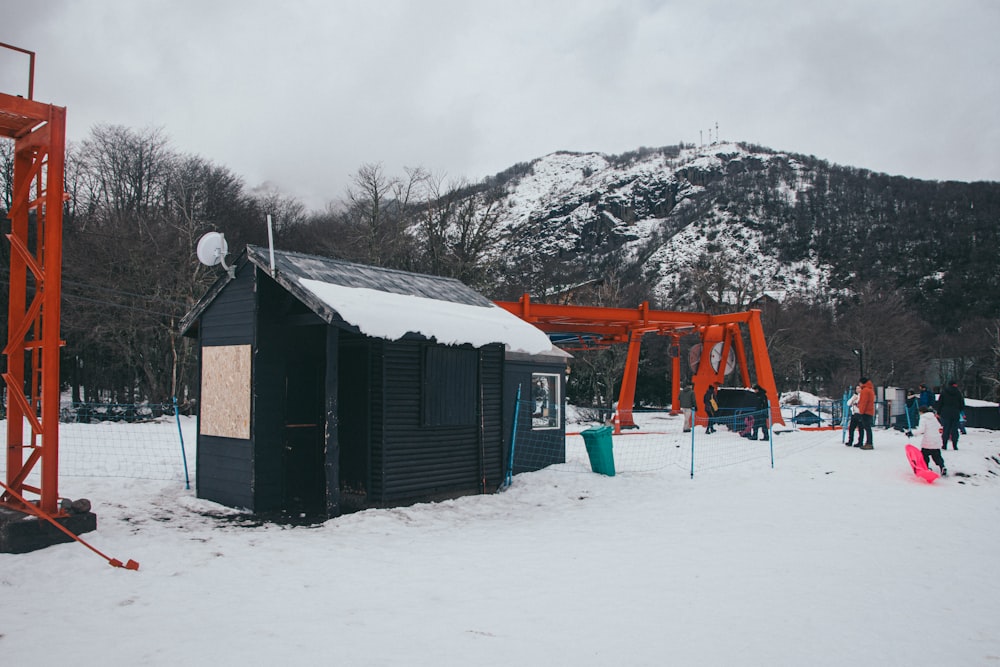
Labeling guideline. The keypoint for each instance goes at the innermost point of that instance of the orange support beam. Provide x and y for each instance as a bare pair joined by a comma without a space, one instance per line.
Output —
589,317
609,326
765,374
741,356
675,375
626,395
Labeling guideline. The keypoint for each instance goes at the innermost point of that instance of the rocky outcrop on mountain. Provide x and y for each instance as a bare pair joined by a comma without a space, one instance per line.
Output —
691,225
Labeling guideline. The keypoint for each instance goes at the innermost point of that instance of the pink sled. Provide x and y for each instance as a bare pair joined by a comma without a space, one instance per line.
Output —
920,469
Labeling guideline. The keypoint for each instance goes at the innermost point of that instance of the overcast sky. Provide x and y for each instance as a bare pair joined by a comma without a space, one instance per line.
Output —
300,93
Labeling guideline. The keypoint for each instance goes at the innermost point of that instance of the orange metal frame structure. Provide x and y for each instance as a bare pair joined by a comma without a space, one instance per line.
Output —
588,327
33,341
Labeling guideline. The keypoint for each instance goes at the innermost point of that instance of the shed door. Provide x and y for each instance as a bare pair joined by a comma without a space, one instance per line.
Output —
353,416
304,481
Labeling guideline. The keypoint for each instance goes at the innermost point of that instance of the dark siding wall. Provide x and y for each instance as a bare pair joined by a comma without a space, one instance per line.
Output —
331,432
353,409
269,396
229,319
493,399
422,461
376,491
552,441
224,471
225,468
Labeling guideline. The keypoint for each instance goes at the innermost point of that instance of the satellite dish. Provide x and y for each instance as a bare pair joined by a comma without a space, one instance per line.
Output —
212,251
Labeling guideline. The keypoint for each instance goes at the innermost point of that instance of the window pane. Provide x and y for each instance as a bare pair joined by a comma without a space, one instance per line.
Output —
545,400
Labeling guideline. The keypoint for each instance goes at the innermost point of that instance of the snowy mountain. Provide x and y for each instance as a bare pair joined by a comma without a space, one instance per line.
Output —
692,226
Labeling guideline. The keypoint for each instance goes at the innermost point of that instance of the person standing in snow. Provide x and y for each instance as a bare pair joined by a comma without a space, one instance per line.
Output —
866,412
950,405
711,400
912,409
760,414
926,397
688,405
929,432
855,418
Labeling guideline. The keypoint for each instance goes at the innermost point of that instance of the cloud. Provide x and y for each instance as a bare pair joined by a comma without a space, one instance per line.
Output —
302,93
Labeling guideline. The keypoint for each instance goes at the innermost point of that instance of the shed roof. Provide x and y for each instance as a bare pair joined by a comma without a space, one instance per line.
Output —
387,303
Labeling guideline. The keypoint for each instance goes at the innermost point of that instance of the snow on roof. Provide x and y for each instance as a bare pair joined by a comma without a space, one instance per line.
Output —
391,316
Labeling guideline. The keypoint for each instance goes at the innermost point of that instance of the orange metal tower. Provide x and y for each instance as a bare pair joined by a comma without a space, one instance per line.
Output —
33,341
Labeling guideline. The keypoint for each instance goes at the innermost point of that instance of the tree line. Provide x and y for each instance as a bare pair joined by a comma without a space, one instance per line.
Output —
136,209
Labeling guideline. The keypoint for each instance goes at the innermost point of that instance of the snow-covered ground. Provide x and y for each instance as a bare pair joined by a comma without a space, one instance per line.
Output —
836,556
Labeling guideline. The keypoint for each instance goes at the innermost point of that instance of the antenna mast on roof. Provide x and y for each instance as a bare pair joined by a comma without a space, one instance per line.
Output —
270,242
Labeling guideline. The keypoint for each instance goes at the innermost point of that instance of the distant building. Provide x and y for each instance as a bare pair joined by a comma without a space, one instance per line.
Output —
743,301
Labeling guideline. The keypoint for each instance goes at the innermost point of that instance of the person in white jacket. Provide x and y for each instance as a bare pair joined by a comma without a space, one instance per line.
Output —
929,432
855,419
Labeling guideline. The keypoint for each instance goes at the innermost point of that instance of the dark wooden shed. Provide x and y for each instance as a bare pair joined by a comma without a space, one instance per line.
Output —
328,386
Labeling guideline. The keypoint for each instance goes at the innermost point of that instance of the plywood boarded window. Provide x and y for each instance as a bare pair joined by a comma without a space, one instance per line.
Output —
225,391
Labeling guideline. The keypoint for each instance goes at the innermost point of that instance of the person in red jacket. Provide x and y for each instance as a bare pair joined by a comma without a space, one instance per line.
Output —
866,411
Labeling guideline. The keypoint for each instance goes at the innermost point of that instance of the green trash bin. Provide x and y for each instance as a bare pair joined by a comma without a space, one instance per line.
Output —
598,442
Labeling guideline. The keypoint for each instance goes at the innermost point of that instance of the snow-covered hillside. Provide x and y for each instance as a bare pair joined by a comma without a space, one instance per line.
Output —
655,213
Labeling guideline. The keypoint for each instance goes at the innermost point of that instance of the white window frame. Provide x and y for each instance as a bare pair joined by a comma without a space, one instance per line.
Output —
548,415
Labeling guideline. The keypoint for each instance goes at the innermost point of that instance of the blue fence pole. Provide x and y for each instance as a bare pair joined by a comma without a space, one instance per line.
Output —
692,445
845,416
770,431
508,480
177,418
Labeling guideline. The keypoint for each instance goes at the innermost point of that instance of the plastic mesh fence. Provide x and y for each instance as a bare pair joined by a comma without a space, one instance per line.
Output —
119,440
660,441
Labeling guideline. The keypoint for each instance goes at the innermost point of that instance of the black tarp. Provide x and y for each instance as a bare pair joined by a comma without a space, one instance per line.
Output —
806,417
987,416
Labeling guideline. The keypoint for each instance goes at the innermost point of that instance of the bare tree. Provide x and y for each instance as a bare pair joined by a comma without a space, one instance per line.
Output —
876,333
6,174
457,227
368,201
721,281
993,375
436,212
798,344
129,169
477,220
377,215
596,376
286,212
130,270
200,197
